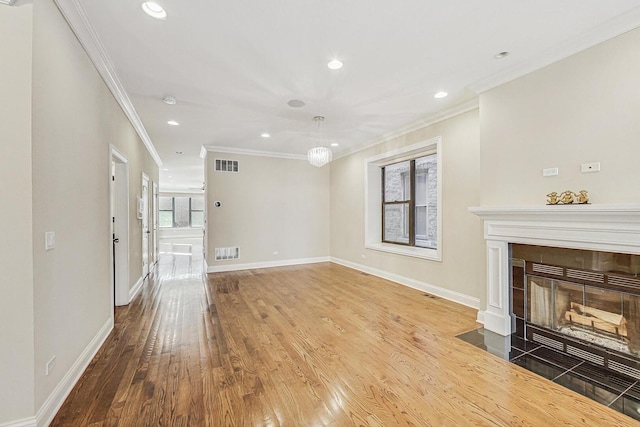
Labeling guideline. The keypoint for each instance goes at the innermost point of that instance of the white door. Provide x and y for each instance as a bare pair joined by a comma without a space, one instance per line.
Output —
145,225
119,219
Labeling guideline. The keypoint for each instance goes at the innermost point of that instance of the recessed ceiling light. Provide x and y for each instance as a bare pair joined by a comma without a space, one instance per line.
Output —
334,144
265,135
170,100
296,103
173,123
501,55
440,94
335,64
154,10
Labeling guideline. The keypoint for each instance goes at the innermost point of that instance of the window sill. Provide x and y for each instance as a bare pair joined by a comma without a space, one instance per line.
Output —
412,251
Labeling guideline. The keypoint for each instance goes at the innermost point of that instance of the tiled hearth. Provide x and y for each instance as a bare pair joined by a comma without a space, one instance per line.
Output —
617,392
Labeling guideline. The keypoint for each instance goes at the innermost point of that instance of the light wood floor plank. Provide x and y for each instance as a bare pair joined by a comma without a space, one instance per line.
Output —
311,345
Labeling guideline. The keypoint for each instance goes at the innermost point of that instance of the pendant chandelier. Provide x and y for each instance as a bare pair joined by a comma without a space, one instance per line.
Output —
320,155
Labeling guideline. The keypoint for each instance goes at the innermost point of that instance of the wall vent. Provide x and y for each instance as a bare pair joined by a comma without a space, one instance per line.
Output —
226,165
223,254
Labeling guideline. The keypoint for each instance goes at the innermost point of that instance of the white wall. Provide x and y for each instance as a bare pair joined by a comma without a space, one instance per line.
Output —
16,259
461,270
75,119
271,205
583,109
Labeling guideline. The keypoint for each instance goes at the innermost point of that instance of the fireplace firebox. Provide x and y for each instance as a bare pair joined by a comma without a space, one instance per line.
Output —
584,303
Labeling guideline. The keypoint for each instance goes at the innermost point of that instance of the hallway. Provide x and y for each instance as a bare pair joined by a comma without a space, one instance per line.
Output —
150,366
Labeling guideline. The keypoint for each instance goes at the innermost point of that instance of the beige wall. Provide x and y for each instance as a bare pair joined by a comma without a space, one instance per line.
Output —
75,118
16,265
583,109
462,267
272,204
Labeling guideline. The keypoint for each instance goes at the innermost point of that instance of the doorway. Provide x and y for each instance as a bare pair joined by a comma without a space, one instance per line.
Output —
143,209
119,226
154,215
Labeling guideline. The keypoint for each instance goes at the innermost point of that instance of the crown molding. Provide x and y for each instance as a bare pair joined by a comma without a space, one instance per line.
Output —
77,19
242,151
603,32
465,107
7,2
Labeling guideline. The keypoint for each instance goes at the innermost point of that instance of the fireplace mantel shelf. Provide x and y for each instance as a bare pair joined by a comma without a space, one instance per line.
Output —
630,212
605,227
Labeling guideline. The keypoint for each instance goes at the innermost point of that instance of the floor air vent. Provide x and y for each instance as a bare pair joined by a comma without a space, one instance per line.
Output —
223,254
226,165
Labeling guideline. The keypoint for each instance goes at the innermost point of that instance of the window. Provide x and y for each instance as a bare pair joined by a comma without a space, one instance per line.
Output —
403,192
178,212
409,201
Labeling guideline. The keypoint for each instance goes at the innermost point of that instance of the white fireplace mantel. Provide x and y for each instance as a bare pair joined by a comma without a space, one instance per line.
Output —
609,228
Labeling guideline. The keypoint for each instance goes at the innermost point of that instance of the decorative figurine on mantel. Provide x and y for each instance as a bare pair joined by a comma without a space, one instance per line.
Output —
552,198
568,197
583,197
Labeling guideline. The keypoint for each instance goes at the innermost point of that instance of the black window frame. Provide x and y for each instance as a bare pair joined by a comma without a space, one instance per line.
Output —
410,202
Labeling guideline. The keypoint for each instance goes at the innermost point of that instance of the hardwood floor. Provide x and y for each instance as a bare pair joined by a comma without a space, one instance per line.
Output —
312,345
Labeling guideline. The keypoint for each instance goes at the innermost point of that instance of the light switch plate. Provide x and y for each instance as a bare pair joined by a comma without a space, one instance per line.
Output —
49,240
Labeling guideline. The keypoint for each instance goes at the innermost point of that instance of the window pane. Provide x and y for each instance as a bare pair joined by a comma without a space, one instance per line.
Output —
165,203
197,203
396,223
421,222
396,182
197,219
182,211
426,201
166,219
421,188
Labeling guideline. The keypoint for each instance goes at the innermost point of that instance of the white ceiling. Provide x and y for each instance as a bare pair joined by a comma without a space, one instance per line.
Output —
233,65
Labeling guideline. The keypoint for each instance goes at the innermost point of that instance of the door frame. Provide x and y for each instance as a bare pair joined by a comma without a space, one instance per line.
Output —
119,208
144,216
154,215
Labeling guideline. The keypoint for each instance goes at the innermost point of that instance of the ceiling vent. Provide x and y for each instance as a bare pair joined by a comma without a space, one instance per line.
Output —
223,254
226,165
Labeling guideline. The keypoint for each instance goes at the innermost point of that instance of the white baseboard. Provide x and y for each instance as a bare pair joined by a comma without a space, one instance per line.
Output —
480,318
447,294
136,288
206,266
268,264
48,410
25,422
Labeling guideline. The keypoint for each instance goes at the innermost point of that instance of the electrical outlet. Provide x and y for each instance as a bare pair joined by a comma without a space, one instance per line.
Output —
364,256
550,172
50,365
275,253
